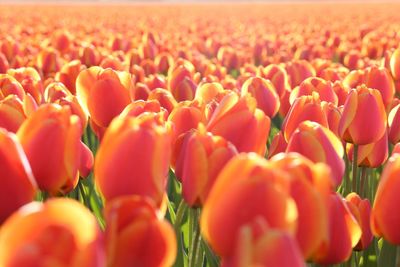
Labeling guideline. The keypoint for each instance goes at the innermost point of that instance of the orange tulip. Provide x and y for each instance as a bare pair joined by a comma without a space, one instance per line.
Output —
298,71
68,74
370,155
181,84
51,137
30,80
18,185
136,236
344,233
200,156
385,221
239,121
165,98
185,116
395,64
12,113
278,76
208,92
139,107
274,248
248,191
133,158
103,93
49,62
394,124
364,118
361,210
264,93
318,85
381,80
310,186
304,108
10,86
319,144
60,232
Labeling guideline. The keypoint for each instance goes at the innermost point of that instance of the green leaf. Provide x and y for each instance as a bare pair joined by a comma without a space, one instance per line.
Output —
387,256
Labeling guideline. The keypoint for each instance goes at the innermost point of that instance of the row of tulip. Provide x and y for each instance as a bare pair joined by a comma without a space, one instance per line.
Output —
144,150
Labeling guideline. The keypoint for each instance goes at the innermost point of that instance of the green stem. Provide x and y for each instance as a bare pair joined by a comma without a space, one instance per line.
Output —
195,243
363,178
355,158
180,214
397,256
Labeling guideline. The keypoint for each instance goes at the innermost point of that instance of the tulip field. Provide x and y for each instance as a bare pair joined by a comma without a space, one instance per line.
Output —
200,135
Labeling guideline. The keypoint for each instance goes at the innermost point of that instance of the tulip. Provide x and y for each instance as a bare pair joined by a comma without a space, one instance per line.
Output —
264,93
199,157
18,184
354,126
103,93
181,84
12,113
10,86
184,117
274,248
278,76
310,186
319,144
140,107
298,71
164,97
318,85
384,220
142,91
361,210
55,91
239,121
304,108
60,232
69,73
48,61
380,79
209,91
344,233
133,158
4,65
136,236
89,56
51,137
370,155
247,192
396,149
395,64
30,80
394,124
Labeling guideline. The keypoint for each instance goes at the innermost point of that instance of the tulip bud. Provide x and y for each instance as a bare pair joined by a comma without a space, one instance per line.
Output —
10,86
394,124
361,210
319,144
310,187
249,184
384,220
103,93
354,126
344,233
69,73
18,185
395,64
51,137
164,97
133,158
181,84
298,71
278,76
200,156
278,145
264,93
370,155
239,121
318,85
136,236
12,113
59,232
273,248
304,108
